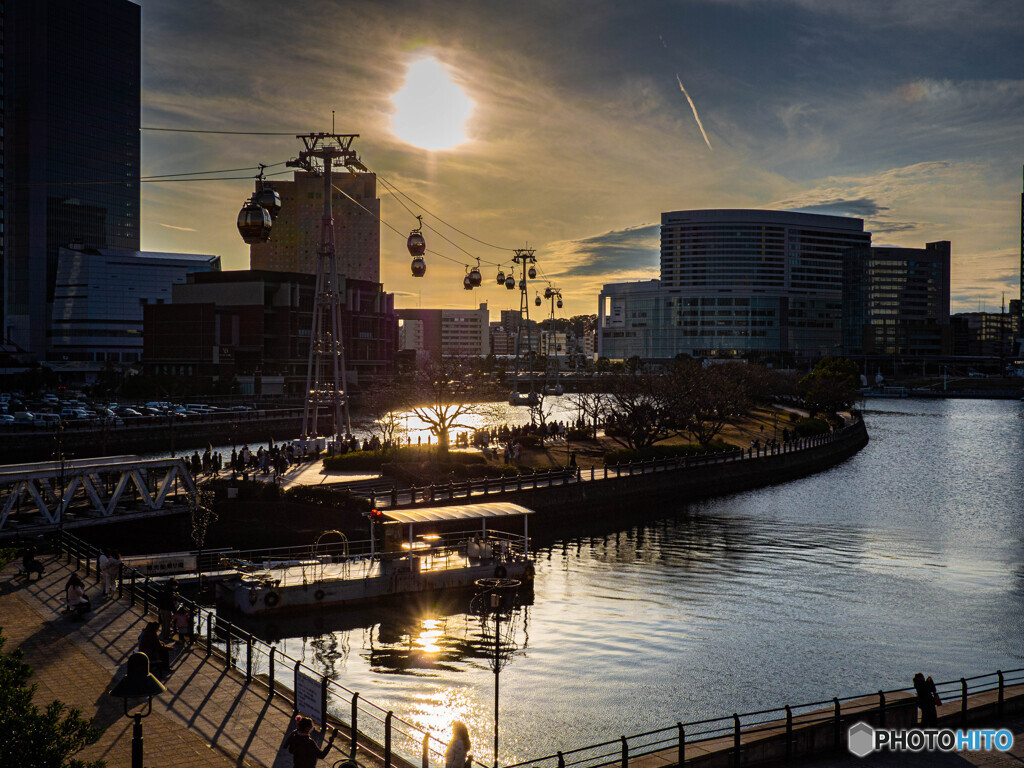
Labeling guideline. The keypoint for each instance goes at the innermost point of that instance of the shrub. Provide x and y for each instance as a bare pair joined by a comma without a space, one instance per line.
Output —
624,455
811,427
577,435
326,497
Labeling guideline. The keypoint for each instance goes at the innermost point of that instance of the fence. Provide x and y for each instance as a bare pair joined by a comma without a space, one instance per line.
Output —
383,497
372,729
741,728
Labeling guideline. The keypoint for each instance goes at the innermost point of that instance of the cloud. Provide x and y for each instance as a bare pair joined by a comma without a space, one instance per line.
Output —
859,207
633,251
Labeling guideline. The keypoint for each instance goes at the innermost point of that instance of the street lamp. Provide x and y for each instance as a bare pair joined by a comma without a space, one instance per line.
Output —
138,683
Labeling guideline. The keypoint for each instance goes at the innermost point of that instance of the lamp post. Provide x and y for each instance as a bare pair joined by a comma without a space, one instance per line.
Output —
138,683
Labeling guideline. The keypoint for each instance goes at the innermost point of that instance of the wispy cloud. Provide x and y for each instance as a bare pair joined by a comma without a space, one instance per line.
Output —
695,115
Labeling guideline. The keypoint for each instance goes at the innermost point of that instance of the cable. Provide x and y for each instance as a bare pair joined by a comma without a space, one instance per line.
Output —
222,133
202,173
452,226
160,179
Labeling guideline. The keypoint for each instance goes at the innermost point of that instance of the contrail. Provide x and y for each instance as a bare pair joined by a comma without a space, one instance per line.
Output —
695,115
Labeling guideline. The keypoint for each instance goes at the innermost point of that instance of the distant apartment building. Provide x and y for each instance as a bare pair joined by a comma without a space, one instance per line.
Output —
295,236
70,106
554,343
100,297
735,283
254,326
502,341
446,332
896,301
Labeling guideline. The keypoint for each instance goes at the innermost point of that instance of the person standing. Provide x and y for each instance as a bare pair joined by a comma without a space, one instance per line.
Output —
927,699
457,754
166,601
301,745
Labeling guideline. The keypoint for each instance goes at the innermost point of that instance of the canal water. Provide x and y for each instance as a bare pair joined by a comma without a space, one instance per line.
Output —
908,557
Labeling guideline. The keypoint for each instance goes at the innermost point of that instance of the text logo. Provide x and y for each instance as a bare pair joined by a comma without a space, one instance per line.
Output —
862,739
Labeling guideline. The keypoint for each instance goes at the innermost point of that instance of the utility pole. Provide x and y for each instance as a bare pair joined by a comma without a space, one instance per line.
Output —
325,372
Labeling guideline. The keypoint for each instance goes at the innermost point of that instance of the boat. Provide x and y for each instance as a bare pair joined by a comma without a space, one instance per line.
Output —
421,553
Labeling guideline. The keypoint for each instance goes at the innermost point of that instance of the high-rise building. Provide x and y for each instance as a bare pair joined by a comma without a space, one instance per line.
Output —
295,237
446,332
71,110
735,283
896,301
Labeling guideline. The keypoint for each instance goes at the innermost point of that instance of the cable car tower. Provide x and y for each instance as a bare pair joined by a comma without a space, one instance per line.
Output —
552,367
326,385
525,257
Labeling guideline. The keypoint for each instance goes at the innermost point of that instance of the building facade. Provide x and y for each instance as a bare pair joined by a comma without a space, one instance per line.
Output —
896,301
446,332
735,283
295,236
99,301
986,334
71,110
254,326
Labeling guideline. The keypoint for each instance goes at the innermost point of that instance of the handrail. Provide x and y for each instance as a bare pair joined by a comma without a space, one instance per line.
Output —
228,640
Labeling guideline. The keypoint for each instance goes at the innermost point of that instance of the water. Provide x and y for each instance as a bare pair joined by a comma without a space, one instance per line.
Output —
906,558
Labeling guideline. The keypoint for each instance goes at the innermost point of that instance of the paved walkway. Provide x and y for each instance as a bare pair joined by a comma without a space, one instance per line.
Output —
207,717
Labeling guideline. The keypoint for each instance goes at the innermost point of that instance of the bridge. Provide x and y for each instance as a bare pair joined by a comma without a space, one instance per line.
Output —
43,495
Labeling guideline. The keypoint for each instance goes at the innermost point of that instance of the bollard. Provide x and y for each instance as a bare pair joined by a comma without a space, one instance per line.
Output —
591,471
270,671
881,708
789,732
681,756
355,725
486,484
387,739
625,752
963,701
735,739
373,499
999,705
533,475
425,751
394,496
605,471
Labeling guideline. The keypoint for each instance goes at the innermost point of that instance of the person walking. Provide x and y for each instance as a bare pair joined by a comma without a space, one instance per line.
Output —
301,745
457,754
927,699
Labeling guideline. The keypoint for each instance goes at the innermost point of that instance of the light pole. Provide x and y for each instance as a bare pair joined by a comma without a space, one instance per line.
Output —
138,683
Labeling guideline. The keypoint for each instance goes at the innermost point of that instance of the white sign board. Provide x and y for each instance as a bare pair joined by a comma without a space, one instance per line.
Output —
309,696
162,565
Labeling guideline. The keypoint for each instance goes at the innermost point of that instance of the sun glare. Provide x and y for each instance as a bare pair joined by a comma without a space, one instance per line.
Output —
431,109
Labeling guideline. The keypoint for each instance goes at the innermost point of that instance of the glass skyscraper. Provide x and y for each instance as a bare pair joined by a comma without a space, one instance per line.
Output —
71,116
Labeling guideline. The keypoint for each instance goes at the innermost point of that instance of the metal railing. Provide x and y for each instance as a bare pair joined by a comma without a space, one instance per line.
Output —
747,726
371,728
384,498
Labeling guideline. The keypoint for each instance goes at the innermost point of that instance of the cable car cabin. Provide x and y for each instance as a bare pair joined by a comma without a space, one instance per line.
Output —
416,244
537,301
532,273
510,282
254,223
501,277
419,267
268,199
558,303
467,283
528,399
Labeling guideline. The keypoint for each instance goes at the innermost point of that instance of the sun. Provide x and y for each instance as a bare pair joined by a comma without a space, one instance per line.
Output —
431,110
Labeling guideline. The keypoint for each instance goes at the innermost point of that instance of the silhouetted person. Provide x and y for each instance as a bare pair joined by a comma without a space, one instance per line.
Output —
300,744
927,698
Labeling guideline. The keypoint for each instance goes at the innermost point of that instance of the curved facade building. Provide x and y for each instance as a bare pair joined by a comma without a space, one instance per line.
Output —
735,283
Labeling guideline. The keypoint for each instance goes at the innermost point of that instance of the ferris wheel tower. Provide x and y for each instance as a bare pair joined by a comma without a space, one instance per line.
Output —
326,386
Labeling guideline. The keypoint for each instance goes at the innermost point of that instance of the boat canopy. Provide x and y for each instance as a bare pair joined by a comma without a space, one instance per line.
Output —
458,512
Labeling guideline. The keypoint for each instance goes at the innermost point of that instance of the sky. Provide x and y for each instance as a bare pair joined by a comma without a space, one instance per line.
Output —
584,121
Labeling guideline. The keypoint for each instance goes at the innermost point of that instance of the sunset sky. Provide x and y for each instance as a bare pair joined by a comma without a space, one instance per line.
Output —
583,121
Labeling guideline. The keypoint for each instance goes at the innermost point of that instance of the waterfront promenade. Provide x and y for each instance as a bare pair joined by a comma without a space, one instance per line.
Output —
207,717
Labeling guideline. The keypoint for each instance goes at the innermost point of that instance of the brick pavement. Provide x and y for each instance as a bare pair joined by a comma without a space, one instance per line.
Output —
207,717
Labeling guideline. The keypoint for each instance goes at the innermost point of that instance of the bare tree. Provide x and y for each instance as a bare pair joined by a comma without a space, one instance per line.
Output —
639,409
442,399
382,404
709,397
593,407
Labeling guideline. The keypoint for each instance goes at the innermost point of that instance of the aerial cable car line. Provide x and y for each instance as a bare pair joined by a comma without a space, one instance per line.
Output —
222,133
157,179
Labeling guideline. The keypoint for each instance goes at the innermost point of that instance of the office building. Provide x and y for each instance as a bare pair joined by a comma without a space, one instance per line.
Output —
71,109
253,326
446,332
99,300
295,236
735,283
989,335
896,301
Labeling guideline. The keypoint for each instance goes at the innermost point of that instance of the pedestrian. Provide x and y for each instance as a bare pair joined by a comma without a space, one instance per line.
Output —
166,600
927,699
184,624
29,564
301,745
572,458
78,601
457,754
110,570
